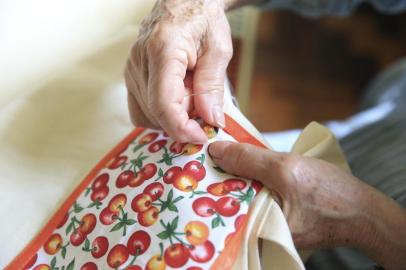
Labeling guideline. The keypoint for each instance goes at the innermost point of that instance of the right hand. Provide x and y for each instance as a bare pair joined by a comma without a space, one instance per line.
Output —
324,205
183,47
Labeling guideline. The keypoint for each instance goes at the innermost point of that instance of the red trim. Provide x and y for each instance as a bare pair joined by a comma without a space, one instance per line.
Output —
224,261
228,256
239,133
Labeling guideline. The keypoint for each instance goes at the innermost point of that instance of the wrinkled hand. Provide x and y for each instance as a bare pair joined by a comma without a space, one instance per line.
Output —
320,201
183,47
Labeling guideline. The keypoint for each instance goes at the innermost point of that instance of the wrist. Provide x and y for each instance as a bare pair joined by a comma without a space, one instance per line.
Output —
378,228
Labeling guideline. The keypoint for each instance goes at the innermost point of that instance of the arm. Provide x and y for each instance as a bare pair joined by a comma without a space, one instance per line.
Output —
325,206
382,227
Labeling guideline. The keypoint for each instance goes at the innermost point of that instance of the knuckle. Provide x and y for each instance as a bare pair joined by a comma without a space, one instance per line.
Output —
283,164
240,154
157,39
287,161
224,50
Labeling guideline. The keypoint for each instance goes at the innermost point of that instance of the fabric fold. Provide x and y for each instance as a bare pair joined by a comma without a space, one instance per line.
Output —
266,219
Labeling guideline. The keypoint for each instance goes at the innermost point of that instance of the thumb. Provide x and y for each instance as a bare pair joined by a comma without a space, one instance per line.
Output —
248,161
208,85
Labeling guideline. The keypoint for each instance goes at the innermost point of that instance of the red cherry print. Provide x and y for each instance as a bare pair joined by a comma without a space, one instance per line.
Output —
156,263
87,223
63,221
154,190
133,267
149,170
176,147
53,244
204,206
210,131
117,202
171,173
227,206
117,256
107,217
190,149
31,262
217,189
116,162
202,253
141,203
124,178
89,266
234,184
100,181
156,146
176,255
100,245
257,185
137,180
138,242
196,232
100,194
148,138
196,169
77,238
148,217
194,268
42,267
184,181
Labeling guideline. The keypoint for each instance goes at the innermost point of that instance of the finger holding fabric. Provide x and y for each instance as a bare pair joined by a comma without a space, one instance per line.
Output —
180,39
324,205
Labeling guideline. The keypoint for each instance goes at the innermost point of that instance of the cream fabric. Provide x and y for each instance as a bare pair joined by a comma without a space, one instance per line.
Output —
62,102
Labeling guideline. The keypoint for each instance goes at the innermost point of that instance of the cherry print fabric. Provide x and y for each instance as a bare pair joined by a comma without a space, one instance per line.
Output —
153,204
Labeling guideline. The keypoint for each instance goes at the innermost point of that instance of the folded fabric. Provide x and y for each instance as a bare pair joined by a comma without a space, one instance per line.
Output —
153,203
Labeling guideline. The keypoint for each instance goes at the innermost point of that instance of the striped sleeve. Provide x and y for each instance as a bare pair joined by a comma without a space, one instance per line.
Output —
314,8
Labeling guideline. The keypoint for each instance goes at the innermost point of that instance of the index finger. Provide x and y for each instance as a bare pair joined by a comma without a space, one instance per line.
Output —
167,91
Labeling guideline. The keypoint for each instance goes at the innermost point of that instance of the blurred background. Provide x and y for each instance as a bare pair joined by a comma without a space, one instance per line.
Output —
306,69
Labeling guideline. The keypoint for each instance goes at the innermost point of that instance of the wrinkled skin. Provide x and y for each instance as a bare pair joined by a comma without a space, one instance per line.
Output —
324,205
183,47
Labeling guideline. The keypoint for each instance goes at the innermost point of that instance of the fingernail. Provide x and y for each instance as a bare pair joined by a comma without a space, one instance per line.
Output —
216,149
218,116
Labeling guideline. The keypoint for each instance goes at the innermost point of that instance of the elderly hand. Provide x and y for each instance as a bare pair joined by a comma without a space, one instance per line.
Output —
183,47
324,205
